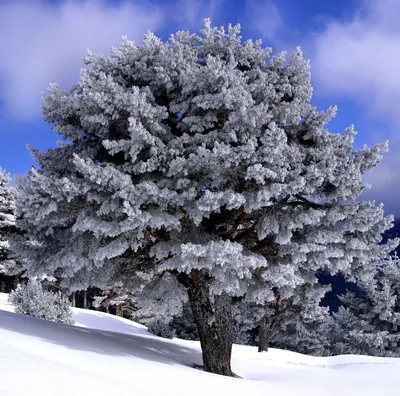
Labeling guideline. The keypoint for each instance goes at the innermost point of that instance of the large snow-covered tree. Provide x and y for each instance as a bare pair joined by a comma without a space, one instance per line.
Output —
198,170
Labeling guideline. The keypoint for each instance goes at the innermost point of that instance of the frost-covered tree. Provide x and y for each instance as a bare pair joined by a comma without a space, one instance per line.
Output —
8,264
305,329
296,323
184,325
181,325
369,321
118,298
160,327
32,300
342,239
194,169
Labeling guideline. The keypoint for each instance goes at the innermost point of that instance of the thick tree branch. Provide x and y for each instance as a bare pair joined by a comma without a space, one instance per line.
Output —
304,201
239,220
157,236
194,274
262,245
244,234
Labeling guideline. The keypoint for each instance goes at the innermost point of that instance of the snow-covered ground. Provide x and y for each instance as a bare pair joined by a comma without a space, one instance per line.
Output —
107,355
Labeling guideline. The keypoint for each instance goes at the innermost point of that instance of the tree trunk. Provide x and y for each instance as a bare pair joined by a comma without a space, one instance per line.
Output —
73,299
120,310
214,325
85,300
264,335
269,323
106,305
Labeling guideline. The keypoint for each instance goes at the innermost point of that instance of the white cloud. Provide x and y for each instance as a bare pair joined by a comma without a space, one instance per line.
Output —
360,58
264,19
385,184
190,13
42,42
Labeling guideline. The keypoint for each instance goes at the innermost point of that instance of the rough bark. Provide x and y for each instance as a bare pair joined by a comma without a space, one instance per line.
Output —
268,324
264,335
214,325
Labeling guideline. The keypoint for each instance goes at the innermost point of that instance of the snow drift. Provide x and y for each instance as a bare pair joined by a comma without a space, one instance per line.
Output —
104,354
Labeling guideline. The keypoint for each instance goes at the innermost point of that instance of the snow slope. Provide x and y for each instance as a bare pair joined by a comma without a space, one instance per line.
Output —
107,355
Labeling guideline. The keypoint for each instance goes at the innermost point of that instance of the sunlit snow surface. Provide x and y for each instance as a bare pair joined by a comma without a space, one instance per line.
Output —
108,355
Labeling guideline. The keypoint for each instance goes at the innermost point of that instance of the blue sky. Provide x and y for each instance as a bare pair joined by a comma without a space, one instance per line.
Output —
353,46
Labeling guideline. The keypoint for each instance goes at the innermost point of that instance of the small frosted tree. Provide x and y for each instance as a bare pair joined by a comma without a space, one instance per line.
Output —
295,322
192,168
342,237
369,322
32,300
305,329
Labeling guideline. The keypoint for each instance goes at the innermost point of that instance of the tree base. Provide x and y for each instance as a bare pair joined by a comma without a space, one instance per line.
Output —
214,326
201,367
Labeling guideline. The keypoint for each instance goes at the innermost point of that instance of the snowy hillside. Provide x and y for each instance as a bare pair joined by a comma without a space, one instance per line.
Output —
108,355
